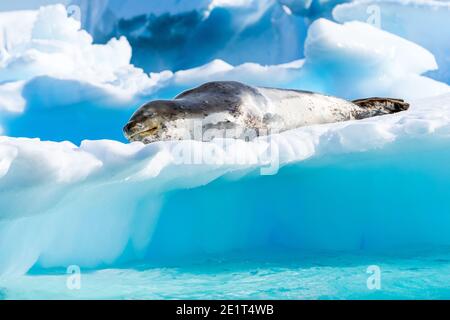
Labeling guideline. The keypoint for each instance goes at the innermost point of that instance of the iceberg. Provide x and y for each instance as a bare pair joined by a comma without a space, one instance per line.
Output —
29,4
50,69
312,9
351,60
48,65
105,203
51,44
423,22
173,35
58,85
95,201
356,59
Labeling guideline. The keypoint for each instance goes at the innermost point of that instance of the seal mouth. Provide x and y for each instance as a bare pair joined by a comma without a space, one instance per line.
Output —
141,134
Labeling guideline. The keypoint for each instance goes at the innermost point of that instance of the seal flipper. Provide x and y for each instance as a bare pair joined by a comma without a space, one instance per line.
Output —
379,106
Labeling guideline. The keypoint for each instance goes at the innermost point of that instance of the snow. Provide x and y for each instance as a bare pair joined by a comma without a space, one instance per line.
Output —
356,59
13,34
423,22
55,46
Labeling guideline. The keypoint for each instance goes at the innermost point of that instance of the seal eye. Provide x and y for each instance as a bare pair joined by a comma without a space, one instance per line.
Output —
151,130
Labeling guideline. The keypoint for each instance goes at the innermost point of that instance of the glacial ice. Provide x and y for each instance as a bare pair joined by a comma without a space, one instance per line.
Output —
57,85
180,35
312,9
426,23
356,59
105,202
51,44
94,203
48,65
170,34
17,5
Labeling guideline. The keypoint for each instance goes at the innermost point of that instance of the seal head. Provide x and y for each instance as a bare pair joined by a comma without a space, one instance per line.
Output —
153,121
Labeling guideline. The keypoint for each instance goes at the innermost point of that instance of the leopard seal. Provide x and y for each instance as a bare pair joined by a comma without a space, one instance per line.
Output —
233,108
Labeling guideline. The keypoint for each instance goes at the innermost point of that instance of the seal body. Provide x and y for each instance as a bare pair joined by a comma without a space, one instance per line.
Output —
229,109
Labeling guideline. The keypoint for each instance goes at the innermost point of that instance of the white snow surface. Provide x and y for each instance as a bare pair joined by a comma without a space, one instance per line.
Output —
51,44
425,22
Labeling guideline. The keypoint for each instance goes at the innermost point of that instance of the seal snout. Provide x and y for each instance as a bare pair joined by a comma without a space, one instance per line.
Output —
141,130
402,105
128,129
132,128
397,105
